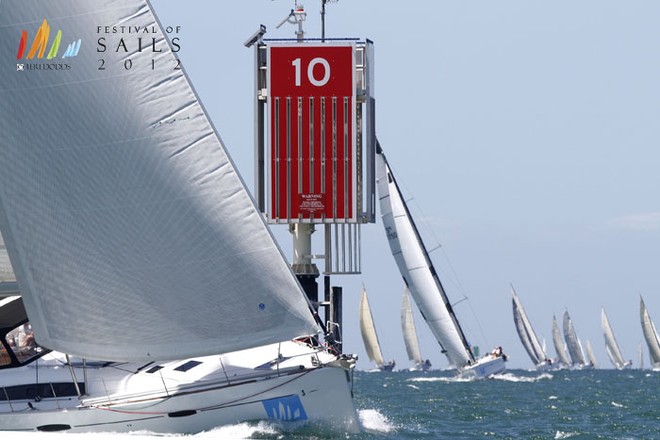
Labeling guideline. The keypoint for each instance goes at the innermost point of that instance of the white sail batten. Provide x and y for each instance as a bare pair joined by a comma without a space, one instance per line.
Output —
408,329
558,342
122,212
526,332
613,350
572,342
650,335
417,270
368,329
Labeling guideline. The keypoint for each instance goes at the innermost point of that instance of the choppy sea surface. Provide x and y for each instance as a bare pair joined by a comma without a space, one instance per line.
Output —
594,404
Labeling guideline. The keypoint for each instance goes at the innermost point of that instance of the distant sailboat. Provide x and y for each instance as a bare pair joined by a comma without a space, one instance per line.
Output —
421,278
640,355
650,335
528,336
410,334
573,343
560,346
591,356
369,335
611,346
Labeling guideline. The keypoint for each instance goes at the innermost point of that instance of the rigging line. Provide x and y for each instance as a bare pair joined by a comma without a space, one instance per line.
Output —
454,279
429,230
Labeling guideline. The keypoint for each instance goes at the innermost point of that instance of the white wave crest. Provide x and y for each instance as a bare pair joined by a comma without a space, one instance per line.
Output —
562,435
374,421
510,377
442,379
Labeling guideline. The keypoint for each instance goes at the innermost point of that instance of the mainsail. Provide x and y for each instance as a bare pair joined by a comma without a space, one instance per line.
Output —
572,341
525,331
368,330
560,346
130,231
408,329
650,335
417,270
612,347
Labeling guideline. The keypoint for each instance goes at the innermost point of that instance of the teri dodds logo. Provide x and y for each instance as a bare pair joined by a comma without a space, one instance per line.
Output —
38,50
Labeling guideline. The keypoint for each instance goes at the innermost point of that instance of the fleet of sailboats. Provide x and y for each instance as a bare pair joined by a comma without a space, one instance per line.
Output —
369,335
137,301
422,280
152,294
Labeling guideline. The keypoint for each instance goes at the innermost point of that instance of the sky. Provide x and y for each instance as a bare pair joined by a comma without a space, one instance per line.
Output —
524,135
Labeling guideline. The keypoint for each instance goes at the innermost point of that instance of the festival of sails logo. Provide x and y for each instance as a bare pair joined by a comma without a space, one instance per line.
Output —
38,50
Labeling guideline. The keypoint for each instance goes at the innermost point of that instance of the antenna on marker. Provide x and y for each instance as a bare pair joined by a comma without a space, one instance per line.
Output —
323,2
296,16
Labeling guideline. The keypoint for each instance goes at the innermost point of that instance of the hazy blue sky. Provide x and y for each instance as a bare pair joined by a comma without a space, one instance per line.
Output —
526,133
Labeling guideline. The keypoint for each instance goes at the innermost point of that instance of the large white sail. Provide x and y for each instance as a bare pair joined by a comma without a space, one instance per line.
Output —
526,332
650,335
572,342
560,346
368,330
417,269
122,213
611,345
408,329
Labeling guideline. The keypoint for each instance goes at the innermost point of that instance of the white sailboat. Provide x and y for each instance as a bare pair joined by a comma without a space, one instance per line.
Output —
611,346
560,346
370,337
573,343
591,357
640,355
650,335
153,296
410,334
528,336
422,280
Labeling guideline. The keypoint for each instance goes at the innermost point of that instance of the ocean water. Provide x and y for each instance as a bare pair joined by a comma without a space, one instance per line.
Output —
596,404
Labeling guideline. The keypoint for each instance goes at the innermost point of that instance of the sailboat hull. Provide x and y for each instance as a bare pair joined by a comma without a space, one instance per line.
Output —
290,394
485,367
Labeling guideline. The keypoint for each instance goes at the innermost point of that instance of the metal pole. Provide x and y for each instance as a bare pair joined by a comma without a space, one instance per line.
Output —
323,2
73,375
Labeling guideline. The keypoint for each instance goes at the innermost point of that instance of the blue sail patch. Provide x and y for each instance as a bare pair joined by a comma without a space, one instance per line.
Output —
287,408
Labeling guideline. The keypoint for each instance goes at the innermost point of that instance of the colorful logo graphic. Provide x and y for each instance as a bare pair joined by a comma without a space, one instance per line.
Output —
40,42
288,408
